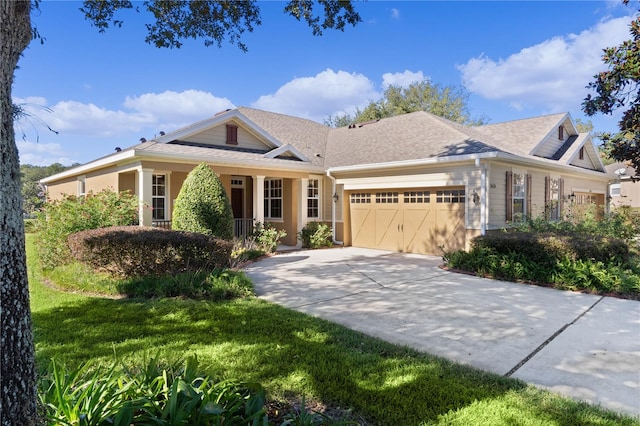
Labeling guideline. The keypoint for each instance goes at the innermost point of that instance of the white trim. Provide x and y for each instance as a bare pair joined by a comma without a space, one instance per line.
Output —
542,162
228,116
82,185
96,164
285,148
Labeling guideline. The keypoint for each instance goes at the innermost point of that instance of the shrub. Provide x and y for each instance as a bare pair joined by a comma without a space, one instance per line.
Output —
203,205
546,248
316,235
61,218
135,251
148,394
266,237
622,223
200,285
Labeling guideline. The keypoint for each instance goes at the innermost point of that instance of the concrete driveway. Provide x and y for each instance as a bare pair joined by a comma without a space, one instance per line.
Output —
583,346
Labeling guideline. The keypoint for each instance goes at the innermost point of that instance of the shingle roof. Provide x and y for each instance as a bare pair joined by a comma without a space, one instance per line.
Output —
520,137
403,137
307,136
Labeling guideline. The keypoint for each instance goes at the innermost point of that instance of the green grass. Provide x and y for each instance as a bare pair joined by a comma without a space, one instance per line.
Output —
291,355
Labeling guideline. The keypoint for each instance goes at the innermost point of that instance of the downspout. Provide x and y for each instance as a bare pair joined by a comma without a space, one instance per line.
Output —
333,209
483,196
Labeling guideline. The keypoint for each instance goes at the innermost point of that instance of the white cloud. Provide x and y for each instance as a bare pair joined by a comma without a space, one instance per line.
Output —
402,79
327,93
42,154
177,109
552,74
155,111
395,13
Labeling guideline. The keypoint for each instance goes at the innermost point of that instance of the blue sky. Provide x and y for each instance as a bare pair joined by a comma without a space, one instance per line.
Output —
100,91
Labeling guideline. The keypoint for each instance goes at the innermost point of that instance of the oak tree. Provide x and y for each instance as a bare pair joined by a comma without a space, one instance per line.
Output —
618,88
450,102
174,22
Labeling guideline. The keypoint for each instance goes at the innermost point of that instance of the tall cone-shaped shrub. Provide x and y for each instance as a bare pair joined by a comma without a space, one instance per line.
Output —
203,205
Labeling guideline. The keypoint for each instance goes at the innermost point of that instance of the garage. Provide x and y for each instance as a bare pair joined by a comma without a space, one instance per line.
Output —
409,220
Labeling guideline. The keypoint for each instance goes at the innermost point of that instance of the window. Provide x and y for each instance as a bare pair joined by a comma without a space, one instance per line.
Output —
313,199
518,191
232,134
158,197
273,198
386,197
413,197
553,198
360,198
614,190
82,186
581,153
561,133
450,196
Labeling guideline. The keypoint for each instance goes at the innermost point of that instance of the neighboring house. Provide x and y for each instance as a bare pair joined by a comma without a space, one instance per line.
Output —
414,182
623,191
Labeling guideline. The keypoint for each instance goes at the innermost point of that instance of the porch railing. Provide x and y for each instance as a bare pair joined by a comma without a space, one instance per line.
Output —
164,224
242,227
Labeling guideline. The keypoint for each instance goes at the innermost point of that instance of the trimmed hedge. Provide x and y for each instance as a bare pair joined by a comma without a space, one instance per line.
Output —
133,251
547,248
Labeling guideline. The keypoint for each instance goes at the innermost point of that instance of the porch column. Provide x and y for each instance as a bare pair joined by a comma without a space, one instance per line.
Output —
258,198
302,206
143,185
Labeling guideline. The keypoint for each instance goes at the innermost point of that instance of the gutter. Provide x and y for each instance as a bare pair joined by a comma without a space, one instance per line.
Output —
495,155
333,210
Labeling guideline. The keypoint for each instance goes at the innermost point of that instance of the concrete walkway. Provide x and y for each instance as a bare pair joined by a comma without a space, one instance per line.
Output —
579,345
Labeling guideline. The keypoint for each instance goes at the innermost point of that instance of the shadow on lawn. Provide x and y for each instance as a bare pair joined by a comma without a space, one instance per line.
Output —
286,351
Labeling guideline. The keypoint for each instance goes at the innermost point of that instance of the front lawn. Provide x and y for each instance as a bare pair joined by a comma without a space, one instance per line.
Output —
292,355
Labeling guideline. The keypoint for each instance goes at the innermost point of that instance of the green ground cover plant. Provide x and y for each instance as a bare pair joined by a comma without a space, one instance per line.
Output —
597,255
290,355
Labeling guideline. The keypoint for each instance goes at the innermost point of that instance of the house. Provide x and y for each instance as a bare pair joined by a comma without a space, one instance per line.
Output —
413,183
623,190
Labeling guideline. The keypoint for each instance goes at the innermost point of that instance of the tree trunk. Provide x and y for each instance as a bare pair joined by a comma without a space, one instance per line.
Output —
17,372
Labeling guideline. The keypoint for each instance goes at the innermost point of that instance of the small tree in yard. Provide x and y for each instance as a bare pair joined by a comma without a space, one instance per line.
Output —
203,205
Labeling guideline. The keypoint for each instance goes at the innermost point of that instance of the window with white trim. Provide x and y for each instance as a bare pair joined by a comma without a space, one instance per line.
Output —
519,197
313,199
159,197
82,186
273,198
553,203
614,190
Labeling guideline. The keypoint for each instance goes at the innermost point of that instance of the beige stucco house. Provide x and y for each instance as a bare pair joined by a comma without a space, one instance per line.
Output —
623,191
414,182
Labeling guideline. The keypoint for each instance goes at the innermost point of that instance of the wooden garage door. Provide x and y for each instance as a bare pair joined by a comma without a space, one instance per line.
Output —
412,220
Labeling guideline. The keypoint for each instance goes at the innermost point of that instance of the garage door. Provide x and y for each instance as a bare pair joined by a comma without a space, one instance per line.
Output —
412,220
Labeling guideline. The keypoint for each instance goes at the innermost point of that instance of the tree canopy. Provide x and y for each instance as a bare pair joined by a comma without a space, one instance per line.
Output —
174,22
450,102
33,195
618,88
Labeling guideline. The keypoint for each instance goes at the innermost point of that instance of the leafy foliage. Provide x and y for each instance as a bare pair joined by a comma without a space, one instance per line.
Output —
215,21
33,193
619,87
573,256
175,394
135,251
199,285
71,214
316,235
203,205
449,102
